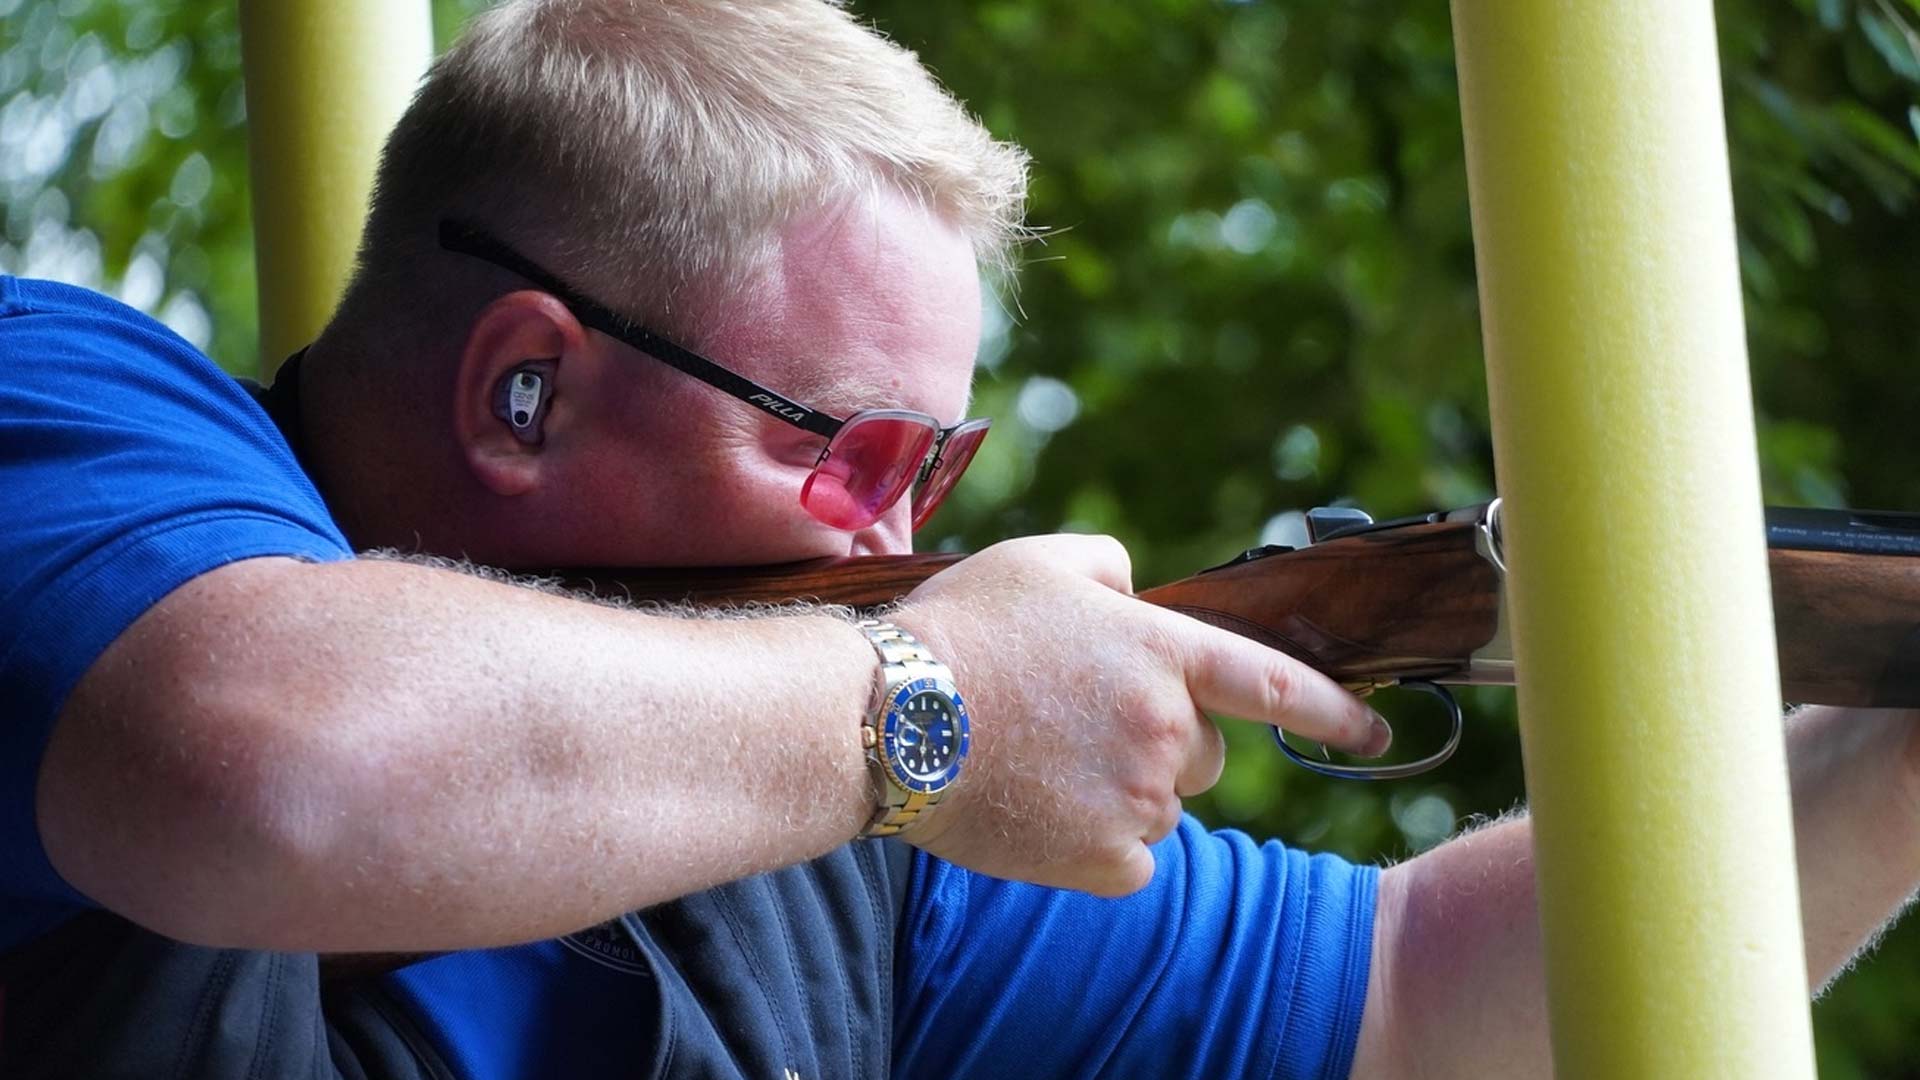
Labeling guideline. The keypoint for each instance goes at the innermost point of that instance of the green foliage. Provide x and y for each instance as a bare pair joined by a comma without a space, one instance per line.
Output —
1256,294
124,153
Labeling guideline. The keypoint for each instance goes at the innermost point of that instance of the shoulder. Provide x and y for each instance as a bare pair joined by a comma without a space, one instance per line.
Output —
61,344
52,311
96,391
131,464
130,459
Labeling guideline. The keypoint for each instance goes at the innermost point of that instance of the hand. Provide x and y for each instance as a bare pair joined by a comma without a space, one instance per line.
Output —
1089,711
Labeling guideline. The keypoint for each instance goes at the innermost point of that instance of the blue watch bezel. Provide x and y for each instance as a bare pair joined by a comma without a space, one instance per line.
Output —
889,741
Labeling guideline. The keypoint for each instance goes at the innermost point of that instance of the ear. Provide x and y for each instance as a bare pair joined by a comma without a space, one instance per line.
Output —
520,332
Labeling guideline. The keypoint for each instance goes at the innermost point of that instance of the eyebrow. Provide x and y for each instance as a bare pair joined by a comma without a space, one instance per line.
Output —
835,385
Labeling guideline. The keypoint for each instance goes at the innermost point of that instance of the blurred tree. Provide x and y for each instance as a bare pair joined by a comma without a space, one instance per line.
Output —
1255,294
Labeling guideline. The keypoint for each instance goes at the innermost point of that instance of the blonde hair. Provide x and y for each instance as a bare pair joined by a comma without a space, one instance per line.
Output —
642,147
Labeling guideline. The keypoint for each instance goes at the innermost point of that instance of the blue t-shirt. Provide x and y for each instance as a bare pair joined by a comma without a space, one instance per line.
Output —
130,464
1238,960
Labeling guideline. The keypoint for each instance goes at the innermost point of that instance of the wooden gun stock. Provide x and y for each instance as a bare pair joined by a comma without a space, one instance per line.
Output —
1848,627
1419,599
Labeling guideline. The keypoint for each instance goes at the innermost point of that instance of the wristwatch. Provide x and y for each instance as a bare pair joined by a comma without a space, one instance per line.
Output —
916,735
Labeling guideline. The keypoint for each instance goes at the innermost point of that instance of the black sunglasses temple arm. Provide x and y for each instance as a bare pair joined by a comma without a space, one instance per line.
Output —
468,240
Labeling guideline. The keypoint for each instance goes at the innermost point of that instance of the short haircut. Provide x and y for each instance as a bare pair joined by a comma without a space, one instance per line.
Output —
645,147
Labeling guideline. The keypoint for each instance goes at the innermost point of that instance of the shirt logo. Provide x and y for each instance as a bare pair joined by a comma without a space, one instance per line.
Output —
609,946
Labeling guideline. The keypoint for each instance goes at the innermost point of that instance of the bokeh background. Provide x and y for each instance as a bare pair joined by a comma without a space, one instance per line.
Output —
1256,294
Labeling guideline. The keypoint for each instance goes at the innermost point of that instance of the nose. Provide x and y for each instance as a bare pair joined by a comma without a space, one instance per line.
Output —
891,535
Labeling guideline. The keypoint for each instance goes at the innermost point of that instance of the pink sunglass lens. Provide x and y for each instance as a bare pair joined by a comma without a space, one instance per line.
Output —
867,467
954,458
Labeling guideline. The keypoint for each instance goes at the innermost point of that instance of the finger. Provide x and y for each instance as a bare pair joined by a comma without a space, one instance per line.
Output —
1206,757
1232,675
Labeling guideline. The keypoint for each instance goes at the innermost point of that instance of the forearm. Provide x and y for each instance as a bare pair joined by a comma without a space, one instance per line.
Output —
393,757
1458,988
1856,825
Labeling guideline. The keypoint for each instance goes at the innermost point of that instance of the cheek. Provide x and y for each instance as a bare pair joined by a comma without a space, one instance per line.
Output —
737,507
705,493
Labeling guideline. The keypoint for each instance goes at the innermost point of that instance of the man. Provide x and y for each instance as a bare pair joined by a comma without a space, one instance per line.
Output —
227,731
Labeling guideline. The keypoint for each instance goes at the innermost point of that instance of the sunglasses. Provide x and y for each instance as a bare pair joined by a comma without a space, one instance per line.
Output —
870,458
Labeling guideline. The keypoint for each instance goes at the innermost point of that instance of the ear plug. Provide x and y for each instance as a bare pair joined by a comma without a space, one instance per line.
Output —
519,400
523,397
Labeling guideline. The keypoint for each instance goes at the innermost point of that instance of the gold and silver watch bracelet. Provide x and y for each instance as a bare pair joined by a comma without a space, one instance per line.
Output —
902,659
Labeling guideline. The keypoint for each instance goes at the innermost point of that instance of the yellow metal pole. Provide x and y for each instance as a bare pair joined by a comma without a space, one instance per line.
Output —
326,79
1623,438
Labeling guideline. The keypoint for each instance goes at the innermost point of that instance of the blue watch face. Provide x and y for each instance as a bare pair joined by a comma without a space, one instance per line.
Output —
929,736
926,736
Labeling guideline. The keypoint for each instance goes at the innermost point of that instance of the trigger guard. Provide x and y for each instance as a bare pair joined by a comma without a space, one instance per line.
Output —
1387,772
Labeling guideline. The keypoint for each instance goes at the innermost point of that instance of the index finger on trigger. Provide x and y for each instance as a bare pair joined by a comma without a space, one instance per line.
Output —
1237,677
